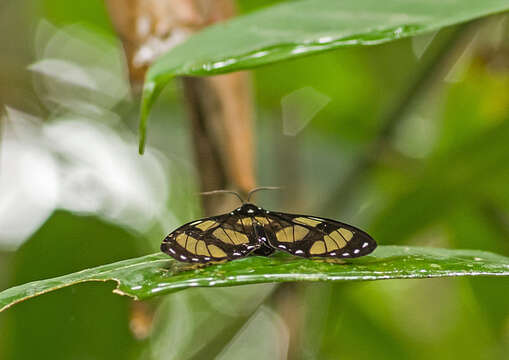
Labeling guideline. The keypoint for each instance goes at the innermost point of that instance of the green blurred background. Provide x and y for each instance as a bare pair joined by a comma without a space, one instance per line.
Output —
75,194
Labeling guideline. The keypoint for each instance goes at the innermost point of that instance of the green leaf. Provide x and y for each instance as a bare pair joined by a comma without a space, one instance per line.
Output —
301,28
156,274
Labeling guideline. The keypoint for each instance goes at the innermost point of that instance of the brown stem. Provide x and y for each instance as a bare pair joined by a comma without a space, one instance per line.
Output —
219,108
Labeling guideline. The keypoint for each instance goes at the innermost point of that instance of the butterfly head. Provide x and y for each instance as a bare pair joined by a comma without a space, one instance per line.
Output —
248,209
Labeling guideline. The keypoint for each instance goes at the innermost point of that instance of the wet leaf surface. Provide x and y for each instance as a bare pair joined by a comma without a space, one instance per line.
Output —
157,274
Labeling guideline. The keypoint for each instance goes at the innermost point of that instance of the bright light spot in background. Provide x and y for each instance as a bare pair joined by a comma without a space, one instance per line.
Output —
78,70
28,181
299,107
101,173
420,43
458,69
416,136
232,302
78,165
264,336
153,47
490,35
64,71
78,161
175,328
203,313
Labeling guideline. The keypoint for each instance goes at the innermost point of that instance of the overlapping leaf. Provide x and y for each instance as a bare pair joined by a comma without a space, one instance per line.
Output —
301,28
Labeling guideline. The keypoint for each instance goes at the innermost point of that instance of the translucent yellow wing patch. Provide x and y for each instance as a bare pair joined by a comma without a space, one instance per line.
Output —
205,224
229,236
318,248
250,229
309,236
292,233
307,221
225,237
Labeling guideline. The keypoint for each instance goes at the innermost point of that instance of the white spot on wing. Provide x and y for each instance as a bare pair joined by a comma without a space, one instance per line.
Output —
356,251
299,252
365,244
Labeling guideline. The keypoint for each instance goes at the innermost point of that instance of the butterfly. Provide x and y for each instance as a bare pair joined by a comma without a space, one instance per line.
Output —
251,230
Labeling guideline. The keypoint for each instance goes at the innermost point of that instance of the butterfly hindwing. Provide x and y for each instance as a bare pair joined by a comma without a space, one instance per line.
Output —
310,236
223,237
253,230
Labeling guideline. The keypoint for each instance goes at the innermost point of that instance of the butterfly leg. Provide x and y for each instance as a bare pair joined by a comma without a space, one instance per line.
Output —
264,249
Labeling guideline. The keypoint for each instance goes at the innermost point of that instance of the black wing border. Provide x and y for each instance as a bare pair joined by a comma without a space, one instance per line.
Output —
349,251
232,251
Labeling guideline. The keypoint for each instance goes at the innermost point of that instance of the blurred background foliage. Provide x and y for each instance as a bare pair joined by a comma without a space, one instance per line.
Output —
75,194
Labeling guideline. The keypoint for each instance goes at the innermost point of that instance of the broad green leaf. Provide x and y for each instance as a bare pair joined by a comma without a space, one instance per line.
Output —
156,274
301,28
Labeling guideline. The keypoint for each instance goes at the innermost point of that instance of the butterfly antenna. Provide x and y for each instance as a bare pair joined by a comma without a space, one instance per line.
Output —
251,192
213,192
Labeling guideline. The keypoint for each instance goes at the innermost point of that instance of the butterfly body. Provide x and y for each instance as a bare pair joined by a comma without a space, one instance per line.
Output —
252,230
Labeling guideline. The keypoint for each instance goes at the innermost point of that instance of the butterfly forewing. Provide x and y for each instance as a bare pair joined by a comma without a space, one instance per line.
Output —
224,237
310,236
253,230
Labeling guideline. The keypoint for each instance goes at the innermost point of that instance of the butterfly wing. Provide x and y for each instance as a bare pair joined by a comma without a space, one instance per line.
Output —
310,236
223,237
